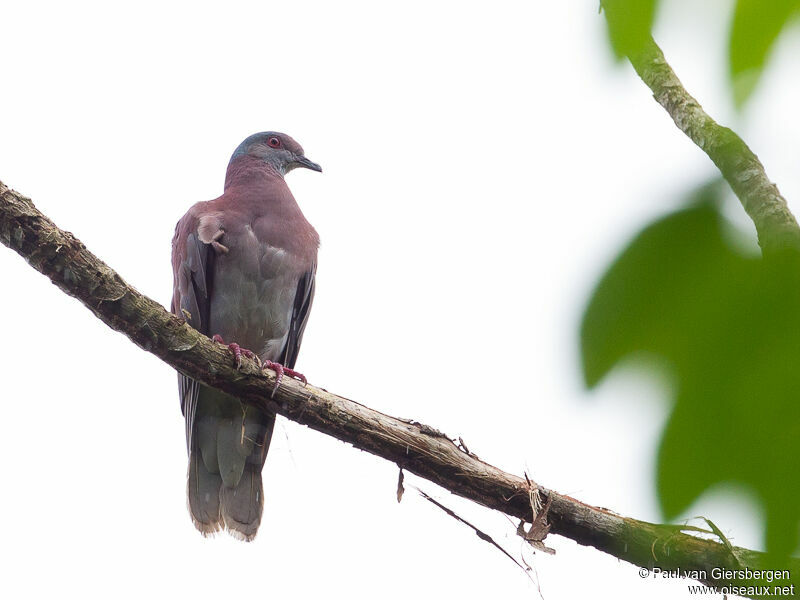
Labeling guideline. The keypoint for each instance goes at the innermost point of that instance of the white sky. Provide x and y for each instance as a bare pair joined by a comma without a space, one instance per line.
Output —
483,164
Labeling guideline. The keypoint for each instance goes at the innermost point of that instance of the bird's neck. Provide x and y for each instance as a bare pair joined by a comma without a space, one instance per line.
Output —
250,171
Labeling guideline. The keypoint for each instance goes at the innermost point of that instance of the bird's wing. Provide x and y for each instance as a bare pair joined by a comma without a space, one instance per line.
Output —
302,307
193,267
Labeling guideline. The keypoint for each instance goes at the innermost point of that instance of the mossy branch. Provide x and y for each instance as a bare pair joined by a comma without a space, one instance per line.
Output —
414,447
775,224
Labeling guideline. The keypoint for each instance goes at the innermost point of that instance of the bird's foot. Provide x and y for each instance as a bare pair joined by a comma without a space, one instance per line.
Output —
280,371
237,350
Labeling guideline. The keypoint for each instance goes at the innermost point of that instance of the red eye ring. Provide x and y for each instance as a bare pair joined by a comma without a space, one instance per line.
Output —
274,142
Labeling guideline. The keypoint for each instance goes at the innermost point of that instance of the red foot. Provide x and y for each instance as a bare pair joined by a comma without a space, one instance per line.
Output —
237,350
280,371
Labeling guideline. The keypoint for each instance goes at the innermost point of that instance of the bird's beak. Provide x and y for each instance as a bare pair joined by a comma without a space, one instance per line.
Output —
302,161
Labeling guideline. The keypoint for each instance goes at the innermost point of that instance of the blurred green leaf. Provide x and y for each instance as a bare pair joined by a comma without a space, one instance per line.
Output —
756,25
727,327
629,24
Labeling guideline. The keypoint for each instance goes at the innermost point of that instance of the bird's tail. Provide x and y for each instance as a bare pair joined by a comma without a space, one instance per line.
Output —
228,447
203,495
242,505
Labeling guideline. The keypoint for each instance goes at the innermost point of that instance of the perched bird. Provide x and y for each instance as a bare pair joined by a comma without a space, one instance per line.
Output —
244,267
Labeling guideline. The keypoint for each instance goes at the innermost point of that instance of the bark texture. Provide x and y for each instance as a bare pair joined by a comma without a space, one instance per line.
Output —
413,446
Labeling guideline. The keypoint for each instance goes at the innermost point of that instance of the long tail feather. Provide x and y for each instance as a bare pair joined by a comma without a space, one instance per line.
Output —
242,505
203,496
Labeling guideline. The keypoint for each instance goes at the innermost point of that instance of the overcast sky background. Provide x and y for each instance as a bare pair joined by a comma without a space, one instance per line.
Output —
483,163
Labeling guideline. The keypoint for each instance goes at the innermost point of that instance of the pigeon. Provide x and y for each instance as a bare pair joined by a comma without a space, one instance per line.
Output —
244,267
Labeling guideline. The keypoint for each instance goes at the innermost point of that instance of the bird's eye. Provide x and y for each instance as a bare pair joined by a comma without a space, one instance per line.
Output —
274,142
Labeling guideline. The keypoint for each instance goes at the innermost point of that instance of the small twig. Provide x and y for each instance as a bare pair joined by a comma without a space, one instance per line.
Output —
482,535
400,489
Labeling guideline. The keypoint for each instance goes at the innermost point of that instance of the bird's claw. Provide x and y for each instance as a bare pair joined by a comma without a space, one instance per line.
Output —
237,350
280,371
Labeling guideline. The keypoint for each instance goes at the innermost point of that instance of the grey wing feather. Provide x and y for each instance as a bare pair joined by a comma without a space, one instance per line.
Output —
196,271
302,307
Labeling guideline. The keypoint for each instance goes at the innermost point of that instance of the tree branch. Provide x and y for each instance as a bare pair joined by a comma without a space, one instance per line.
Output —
412,446
775,224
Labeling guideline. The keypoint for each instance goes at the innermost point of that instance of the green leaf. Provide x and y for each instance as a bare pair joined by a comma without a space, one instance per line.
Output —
755,27
726,325
629,24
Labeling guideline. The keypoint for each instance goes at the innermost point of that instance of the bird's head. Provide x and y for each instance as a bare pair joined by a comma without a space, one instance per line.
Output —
277,150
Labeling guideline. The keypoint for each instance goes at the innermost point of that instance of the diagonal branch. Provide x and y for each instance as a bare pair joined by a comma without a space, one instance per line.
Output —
415,447
775,224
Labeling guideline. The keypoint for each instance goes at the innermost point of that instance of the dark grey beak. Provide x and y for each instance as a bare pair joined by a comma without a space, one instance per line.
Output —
302,161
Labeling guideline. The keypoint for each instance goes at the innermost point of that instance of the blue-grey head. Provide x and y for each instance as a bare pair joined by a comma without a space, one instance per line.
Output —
278,150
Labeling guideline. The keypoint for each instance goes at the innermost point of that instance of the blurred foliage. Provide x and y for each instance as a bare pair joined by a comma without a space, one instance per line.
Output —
726,326
754,29
629,24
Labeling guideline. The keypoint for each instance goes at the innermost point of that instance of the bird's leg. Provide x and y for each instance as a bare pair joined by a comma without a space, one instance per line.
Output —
219,248
237,350
280,371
